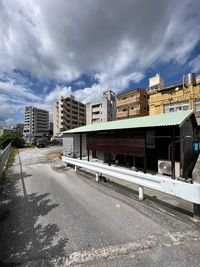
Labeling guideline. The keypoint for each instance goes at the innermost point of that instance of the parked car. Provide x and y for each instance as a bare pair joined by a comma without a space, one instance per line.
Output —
41,143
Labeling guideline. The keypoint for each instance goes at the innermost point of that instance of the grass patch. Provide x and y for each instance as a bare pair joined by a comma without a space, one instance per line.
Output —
11,158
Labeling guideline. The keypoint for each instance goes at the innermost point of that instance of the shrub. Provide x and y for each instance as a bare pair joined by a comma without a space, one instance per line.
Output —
14,138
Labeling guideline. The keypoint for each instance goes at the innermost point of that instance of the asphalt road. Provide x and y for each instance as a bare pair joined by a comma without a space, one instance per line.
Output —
52,216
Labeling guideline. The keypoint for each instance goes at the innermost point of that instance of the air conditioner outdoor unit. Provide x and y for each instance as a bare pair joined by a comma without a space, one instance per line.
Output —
164,167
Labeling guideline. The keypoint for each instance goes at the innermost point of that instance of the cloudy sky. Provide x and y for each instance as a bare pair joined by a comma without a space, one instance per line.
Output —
51,48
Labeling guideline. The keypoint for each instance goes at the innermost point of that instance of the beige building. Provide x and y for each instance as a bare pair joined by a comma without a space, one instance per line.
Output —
132,104
182,96
102,111
68,114
36,124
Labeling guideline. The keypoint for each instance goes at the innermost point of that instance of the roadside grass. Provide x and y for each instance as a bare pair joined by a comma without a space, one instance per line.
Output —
11,158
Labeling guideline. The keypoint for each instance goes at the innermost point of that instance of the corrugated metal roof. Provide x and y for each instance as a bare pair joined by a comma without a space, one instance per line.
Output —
167,119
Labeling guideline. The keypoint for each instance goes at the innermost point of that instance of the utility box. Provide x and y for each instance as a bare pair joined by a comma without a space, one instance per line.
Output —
164,167
71,145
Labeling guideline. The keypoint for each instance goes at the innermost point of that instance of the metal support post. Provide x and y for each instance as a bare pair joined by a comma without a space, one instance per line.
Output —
88,152
75,168
109,159
97,177
173,153
196,210
141,193
80,146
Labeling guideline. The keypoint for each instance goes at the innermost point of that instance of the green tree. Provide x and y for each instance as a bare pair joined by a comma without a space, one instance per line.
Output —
14,138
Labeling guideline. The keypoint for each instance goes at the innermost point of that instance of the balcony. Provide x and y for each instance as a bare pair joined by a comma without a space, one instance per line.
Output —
127,101
96,109
126,114
96,116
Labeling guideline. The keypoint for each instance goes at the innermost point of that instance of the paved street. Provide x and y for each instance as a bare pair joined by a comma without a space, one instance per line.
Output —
52,216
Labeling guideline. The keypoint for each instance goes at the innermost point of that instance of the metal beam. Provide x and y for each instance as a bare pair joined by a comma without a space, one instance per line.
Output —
80,145
189,192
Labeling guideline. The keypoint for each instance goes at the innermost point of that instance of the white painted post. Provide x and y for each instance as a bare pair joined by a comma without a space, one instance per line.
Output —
141,193
75,168
97,177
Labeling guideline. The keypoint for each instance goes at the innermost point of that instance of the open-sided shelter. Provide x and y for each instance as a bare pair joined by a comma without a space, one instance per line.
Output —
161,143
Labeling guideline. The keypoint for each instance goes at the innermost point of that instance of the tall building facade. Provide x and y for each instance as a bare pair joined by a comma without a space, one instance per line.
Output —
36,124
102,111
68,114
132,104
182,95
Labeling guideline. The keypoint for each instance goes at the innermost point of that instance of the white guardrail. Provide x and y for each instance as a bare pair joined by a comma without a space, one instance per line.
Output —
3,158
189,192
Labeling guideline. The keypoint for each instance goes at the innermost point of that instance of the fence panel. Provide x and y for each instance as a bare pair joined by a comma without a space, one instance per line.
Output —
3,158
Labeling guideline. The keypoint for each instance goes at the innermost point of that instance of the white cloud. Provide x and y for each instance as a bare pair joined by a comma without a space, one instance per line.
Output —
195,64
80,83
17,90
56,93
115,41
13,99
63,39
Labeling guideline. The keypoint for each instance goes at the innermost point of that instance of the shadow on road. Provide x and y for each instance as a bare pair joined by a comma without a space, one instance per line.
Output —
24,241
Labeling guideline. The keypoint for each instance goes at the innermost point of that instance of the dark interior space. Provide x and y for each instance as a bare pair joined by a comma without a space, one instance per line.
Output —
132,147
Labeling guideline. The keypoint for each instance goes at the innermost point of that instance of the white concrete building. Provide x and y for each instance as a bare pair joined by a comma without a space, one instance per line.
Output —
36,124
102,111
156,83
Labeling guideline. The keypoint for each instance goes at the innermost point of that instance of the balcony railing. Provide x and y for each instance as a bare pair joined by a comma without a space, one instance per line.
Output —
128,113
128,101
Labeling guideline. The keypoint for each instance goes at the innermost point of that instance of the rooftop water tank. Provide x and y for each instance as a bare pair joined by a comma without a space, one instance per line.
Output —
190,79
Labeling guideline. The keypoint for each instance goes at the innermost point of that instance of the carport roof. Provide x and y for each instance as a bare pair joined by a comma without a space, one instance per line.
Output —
167,119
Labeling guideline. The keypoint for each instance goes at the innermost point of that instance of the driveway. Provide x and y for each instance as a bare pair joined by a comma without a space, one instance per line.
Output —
52,216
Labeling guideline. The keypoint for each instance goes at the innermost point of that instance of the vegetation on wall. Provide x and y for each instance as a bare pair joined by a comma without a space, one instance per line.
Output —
14,138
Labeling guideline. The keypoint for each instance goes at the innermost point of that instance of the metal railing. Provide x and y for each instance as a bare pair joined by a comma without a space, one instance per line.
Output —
186,191
4,157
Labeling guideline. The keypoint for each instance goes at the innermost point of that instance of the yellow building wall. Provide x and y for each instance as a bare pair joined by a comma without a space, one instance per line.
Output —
157,100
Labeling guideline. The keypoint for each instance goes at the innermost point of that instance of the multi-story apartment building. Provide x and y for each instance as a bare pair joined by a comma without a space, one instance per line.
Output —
102,111
132,104
68,114
180,96
36,124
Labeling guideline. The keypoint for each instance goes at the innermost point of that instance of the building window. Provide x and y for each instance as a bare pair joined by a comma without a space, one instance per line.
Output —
184,105
96,113
97,106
